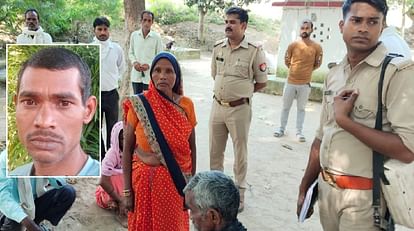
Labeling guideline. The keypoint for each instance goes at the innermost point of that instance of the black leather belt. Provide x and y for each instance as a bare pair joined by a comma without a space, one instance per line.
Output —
234,103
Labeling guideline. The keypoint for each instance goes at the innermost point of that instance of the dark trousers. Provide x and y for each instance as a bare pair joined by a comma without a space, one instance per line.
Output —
109,108
139,87
51,206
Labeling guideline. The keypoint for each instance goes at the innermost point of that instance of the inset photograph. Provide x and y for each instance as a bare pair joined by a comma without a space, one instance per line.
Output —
53,110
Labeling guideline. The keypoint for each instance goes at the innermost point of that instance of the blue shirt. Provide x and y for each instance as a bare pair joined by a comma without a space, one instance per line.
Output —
91,168
9,192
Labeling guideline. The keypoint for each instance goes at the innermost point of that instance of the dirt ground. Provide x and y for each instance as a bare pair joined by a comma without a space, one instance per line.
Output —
273,175
185,34
274,171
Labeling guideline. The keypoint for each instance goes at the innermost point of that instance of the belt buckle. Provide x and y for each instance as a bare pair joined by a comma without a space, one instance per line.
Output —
226,104
330,179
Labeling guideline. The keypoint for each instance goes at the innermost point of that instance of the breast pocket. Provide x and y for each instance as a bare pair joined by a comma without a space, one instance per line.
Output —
220,66
242,68
364,111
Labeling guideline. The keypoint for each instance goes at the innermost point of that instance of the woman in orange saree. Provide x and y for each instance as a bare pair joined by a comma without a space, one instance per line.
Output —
151,195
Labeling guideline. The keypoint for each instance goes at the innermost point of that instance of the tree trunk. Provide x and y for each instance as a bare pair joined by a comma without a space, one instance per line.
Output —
133,9
200,33
410,14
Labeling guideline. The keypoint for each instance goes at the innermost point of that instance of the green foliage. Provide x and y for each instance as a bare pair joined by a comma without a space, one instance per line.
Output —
319,76
17,55
216,17
167,12
209,5
282,72
264,24
58,17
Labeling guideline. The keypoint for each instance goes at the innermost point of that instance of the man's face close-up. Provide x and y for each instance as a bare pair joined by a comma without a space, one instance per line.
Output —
146,22
31,20
50,113
362,27
305,30
102,32
234,28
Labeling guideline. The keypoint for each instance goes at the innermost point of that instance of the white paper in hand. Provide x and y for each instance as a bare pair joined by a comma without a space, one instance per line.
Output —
307,202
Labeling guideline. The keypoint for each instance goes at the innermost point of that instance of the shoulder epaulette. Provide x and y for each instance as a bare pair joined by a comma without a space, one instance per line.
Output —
254,45
219,42
332,64
401,62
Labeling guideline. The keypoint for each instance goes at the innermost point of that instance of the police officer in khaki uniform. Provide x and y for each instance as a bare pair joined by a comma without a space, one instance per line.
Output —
341,154
238,68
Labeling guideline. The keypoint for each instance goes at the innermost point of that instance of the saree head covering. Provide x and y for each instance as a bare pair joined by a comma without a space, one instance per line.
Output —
157,204
173,60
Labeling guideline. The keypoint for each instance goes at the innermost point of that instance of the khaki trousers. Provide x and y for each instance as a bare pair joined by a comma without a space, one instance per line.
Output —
236,121
345,209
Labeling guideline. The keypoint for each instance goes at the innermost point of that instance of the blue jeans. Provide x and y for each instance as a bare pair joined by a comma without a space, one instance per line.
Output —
301,94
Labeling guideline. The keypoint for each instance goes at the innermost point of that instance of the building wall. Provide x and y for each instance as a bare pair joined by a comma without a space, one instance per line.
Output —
326,32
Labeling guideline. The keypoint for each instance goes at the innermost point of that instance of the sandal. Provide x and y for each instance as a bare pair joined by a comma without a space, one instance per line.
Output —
278,133
300,137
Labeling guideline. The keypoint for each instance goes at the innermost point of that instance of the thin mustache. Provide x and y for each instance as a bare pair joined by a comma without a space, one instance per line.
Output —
44,134
360,37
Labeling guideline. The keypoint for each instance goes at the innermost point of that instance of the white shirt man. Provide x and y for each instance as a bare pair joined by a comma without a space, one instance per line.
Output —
144,46
33,33
112,68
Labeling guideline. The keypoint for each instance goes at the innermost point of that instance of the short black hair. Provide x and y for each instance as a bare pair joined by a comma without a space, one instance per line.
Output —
56,58
380,5
32,10
101,21
308,21
242,13
147,12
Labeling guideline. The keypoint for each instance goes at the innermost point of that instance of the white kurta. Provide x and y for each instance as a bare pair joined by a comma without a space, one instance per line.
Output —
34,37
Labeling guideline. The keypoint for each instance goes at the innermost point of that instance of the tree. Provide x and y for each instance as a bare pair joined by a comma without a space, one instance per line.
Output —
133,9
410,12
204,6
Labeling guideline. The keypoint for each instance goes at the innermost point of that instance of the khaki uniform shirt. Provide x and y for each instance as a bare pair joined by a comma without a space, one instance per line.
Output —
341,152
236,70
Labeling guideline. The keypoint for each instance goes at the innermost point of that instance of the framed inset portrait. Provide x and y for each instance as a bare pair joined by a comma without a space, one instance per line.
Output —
53,126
